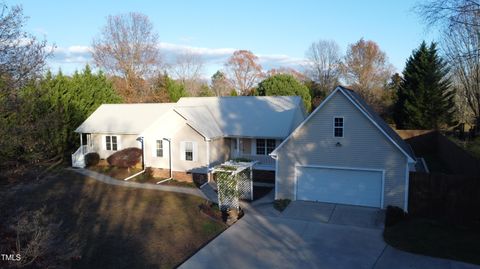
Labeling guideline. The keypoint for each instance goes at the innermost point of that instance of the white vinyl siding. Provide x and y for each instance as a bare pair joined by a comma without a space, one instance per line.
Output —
362,146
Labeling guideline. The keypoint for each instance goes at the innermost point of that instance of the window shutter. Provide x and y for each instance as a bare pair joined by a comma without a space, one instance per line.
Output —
104,143
154,148
194,145
119,142
182,151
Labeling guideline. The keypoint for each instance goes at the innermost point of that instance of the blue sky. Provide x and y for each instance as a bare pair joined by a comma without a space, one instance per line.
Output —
277,31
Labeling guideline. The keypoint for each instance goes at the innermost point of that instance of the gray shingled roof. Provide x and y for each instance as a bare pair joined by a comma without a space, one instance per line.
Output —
201,119
123,118
241,116
379,121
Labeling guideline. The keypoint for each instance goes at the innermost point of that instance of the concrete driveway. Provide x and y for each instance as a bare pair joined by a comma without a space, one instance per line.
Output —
309,235
366,217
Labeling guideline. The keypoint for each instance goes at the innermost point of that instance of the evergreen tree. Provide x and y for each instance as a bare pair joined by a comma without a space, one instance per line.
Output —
425,97
175,89
53,107
283,84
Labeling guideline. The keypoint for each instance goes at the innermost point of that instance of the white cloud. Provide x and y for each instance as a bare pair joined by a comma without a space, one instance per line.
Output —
213,57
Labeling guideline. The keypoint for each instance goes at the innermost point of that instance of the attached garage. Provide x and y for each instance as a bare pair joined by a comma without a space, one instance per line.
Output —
340,185
344,153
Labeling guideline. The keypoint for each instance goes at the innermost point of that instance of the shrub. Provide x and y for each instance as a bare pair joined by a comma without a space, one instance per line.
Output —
92,159
281,204
125,158
394,215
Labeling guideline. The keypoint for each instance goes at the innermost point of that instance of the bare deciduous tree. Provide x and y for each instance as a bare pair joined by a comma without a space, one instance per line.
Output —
243,71
128,48
367,70
189,68
22,56
461,45
288,71
324,64
459,21
447,13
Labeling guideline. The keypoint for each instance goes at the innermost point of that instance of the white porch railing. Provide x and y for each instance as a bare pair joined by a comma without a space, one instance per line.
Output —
262,159
78,158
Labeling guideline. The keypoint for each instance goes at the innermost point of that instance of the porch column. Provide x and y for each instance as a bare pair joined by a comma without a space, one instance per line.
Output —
81,144
238,147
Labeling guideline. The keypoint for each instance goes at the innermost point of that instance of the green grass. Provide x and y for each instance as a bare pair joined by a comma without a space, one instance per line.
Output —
281,204
122,173
437,239
116,227
115,172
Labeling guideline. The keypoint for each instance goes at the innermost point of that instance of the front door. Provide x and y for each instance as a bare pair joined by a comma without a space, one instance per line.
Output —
89,140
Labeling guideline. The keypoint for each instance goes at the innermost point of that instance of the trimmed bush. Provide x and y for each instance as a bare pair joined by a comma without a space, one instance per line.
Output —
281,204
125,158
394,215
92,159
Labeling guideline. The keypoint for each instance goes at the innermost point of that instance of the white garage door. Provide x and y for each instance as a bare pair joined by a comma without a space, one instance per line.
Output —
342,186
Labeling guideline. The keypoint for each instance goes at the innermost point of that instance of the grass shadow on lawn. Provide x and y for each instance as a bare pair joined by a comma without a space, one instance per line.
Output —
436,239
117,227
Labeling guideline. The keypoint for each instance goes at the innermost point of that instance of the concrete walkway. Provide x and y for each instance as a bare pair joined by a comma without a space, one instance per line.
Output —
112,181
267,239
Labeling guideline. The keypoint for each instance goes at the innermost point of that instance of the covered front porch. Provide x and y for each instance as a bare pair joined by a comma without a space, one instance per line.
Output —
254,149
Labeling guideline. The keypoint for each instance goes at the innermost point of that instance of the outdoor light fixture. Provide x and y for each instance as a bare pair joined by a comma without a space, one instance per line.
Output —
338,144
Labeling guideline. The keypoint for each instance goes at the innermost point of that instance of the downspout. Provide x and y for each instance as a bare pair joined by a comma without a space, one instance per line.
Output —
169,160
139,139
208,160
275,157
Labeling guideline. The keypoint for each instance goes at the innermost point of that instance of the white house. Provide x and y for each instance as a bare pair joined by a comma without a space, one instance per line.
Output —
194,134
343,152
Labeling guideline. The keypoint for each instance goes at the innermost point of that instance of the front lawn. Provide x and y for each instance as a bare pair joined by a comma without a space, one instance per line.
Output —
115,172
437,239
112,226
122,173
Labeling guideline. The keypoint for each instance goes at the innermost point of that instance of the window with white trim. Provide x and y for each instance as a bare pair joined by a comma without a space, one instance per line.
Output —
188,151
338,127
111,142
265,146
159,148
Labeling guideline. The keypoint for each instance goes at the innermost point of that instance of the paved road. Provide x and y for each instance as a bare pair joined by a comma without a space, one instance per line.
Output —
329,239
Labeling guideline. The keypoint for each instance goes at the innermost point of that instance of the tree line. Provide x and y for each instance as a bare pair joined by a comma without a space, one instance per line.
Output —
39,110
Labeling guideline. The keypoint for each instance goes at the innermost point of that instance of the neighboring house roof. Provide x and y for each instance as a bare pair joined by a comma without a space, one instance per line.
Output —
123,118
201,119
370,114
241,116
